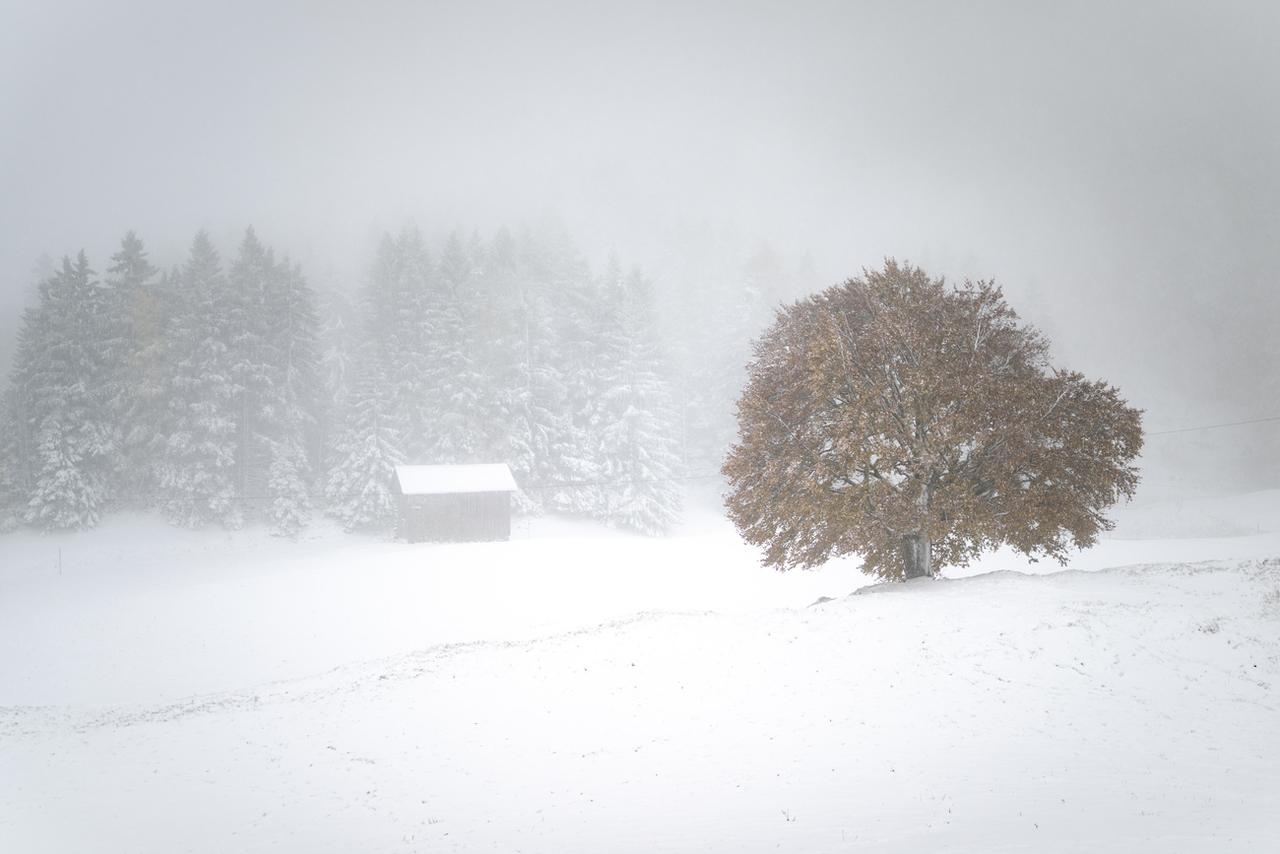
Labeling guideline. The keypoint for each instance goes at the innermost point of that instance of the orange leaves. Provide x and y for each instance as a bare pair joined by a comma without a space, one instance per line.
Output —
893,406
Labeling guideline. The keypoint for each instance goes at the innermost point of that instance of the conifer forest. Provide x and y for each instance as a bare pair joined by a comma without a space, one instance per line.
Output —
225,389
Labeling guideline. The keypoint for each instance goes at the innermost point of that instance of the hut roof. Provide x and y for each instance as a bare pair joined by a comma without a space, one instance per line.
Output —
444,480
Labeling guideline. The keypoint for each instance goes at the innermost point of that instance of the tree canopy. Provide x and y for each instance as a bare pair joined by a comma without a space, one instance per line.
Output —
917,424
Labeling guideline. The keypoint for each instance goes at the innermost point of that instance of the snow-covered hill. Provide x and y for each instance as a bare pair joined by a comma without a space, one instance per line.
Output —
563,693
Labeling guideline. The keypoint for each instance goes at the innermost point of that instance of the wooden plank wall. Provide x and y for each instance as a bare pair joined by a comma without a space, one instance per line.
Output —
461,517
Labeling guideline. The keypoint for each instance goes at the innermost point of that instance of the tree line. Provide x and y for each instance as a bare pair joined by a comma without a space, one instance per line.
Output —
228,391
187,390
508,350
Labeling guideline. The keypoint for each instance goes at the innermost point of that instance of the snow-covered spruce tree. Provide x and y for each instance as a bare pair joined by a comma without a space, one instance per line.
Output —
588,356
133,317
270,327
289,401
358,487
21,419
522,390
396,325
13,489
289,509
549,271
916,425
145,422
195,448
244,329
60,372
385,417
338,340
639,435
620,458
462,421
508,303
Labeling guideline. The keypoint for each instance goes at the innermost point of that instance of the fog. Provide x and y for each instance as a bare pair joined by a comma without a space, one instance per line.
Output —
384,496
1115,166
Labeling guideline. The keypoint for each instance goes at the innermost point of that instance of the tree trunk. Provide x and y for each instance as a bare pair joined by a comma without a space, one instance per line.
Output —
917,556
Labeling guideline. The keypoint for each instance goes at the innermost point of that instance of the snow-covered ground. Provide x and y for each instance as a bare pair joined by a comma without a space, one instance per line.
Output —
580,690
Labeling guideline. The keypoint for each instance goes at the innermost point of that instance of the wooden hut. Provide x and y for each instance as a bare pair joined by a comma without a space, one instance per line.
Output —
454,503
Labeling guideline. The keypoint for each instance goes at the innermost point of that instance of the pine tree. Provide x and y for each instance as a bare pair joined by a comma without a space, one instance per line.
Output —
290,507
549,415
587,356
144,423
395,328
290,402
23,422
639,442
521,386
358,488
462,420
386,407
13,491
408,345
270,327
69,489
195,449
62,372
338,339
244,329
133,320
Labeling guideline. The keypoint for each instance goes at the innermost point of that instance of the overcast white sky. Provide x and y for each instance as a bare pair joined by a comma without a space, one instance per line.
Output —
1121,160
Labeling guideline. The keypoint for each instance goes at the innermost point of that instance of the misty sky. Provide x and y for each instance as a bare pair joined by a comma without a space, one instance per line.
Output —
1115,165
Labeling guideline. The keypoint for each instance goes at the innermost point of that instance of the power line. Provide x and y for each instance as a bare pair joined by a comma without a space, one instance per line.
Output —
1215,426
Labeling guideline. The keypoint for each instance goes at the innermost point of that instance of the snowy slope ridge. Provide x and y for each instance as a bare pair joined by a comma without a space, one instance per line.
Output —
139,612
1119,710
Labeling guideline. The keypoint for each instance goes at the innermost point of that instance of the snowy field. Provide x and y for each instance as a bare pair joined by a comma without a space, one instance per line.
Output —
579,690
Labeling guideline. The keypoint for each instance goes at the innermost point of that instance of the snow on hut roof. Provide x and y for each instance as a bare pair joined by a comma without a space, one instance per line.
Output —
442,480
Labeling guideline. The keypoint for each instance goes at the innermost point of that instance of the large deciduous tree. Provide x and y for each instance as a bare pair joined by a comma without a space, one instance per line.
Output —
917,424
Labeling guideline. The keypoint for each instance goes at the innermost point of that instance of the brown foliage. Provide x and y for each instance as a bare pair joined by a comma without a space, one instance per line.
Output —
895,410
